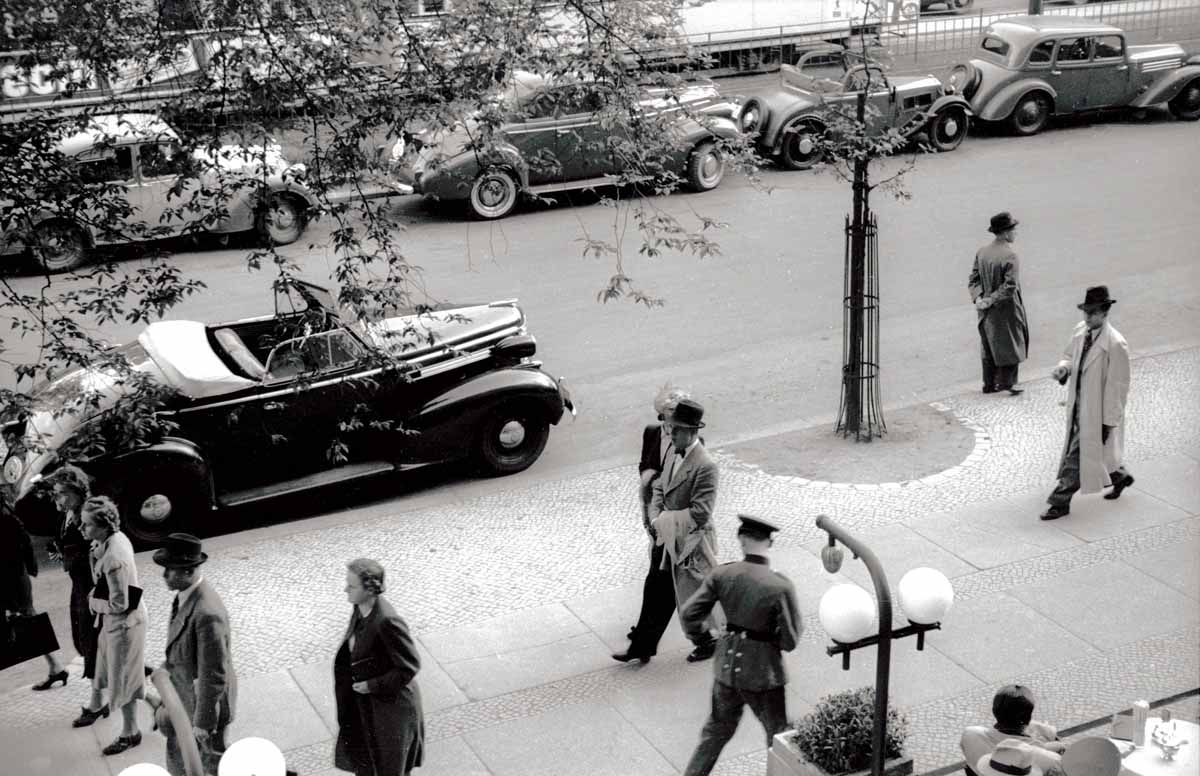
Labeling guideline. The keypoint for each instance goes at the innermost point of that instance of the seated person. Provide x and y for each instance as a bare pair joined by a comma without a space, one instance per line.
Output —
1013,709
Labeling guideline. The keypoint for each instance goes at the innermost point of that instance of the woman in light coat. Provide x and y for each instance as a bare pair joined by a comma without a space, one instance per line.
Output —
122,644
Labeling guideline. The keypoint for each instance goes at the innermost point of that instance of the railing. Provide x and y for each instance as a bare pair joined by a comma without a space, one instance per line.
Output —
933,40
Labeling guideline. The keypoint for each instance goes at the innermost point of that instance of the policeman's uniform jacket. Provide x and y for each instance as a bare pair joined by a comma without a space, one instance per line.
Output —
763,622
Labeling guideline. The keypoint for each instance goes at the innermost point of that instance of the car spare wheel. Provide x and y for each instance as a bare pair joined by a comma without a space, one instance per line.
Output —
157,505
1031,114
512,438
948,128
706,167
58,246
801,147
494,194
1185,106
283,219
752,118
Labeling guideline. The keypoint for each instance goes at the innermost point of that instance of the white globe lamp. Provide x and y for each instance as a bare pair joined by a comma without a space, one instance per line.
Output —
145,769
925,595
252,757
847,613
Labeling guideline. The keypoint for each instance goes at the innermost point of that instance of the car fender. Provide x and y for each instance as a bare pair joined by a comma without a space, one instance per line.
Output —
459,410
171,454
452,179
1166,89
947,100
1002,103
286,185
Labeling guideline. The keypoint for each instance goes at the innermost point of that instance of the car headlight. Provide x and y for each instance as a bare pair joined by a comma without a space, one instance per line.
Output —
398,149
14,467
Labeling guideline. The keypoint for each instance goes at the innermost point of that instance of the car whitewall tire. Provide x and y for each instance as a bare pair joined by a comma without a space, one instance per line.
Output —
493,194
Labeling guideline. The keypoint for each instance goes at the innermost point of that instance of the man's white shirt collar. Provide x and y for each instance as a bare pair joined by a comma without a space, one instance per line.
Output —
183,595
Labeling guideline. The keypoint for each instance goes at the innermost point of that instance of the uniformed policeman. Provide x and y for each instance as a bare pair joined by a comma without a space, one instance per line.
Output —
763,620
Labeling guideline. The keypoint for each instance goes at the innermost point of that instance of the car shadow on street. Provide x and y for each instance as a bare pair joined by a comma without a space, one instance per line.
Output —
24,265
1146,116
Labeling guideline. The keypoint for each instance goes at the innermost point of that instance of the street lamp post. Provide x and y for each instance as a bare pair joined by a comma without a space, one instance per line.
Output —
925,595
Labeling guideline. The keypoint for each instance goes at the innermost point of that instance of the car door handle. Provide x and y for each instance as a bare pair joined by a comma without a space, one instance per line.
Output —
1119,68
274,406
1055,72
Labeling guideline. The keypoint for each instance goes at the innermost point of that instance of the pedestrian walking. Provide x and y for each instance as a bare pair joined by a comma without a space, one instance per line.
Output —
764,621
995,286
17,564
381,728
658,590
121,620
71,486
681,522
1095,368
199,654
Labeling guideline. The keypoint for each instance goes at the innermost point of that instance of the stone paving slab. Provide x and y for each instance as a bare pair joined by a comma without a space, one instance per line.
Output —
611,613
1177,566
527,628
1174,479
992,534
487,677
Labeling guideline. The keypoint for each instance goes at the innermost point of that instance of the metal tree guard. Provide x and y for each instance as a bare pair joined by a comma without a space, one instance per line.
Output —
861,410
883,658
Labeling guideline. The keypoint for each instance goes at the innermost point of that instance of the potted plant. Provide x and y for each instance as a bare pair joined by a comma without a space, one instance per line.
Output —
835,740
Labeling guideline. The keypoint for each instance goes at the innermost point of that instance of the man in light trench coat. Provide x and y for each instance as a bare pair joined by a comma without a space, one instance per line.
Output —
995,286
1096,362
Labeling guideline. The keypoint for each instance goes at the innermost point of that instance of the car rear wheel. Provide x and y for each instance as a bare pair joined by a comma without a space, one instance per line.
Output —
802,145
1185,106
157,505
512,438
283,219
59,246
706,167
1031,114
949,128
494,194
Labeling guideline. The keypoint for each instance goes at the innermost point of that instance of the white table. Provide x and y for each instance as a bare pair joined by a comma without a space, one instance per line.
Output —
1147,760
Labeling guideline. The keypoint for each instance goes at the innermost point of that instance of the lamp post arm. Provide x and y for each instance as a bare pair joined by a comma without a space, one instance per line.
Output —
883,658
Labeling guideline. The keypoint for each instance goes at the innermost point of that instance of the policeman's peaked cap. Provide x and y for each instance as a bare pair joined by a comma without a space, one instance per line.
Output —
756,526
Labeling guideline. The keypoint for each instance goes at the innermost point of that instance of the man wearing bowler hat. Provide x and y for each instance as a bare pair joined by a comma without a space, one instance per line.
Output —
1095,367
680,514
764,621
995,286
199,657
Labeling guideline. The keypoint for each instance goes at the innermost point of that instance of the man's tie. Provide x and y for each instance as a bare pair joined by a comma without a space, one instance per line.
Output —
1087,345
174,609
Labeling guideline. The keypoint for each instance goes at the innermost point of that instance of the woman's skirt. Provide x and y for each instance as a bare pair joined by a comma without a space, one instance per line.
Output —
120,658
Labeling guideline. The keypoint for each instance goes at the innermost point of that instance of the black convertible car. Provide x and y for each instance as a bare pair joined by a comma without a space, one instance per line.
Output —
296,400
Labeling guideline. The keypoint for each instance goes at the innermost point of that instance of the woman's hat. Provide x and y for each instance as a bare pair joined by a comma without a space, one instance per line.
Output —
1096,298
687,414
1011,757
1093,756
181,551
1002,222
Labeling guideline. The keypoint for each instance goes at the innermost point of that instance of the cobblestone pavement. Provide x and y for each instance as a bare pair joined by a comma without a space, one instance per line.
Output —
518,597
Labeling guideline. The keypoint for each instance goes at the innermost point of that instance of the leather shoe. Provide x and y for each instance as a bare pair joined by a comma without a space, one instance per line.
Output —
88,717
1053,513
1015,390
51,680
1118,487
122,743
989,389
629,655
702,651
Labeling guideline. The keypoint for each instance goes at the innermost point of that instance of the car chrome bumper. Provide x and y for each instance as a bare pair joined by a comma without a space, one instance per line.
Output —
567,399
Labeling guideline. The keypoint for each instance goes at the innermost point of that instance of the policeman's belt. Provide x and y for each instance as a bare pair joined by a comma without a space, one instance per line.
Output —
747,633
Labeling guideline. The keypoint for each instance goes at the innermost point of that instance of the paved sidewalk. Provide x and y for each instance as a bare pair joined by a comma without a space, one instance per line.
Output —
518,598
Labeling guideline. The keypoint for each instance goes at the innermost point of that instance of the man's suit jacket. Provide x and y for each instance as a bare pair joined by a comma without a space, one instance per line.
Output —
199,659
692,486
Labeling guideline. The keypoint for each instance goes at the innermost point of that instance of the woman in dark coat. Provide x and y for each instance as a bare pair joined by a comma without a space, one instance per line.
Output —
17,565
381,730
71,488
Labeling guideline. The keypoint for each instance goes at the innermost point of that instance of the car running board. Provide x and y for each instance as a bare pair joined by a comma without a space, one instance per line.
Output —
586,183
352,471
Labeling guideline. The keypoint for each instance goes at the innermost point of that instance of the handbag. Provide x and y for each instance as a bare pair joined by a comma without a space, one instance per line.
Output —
101,592
24,638
363,669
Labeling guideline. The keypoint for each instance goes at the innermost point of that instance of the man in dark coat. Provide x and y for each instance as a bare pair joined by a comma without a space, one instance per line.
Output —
199,655
995,286
764,621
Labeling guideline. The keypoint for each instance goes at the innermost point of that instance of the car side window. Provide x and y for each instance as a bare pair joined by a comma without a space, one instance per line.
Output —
161,159
542,105
1074,50
112,165
995,45
1110,47
1042,54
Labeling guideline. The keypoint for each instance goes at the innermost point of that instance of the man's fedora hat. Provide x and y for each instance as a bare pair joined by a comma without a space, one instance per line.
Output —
1011,757
1002,222
756,526
1096,298
181,551
687,414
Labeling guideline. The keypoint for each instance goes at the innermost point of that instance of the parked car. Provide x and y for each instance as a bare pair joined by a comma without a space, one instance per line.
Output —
554,138
1028,69
292,401
141,154
789,122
